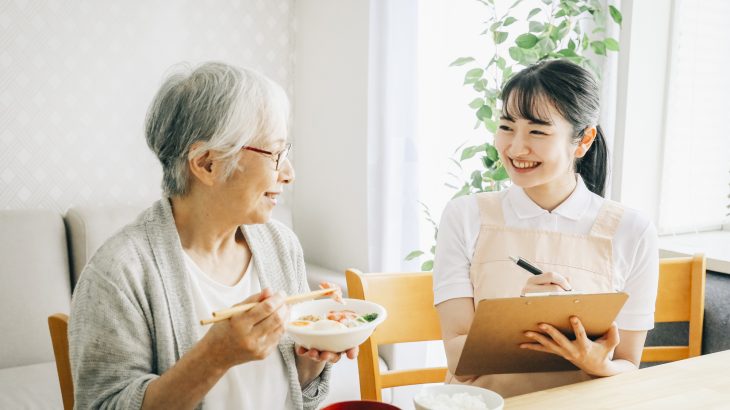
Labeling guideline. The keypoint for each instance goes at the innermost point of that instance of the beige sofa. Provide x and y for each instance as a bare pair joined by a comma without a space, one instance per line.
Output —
41,257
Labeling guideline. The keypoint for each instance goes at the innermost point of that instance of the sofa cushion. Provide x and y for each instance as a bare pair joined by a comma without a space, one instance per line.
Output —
89,227
30,387
34,277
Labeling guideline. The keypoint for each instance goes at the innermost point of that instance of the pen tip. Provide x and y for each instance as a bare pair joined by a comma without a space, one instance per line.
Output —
513,259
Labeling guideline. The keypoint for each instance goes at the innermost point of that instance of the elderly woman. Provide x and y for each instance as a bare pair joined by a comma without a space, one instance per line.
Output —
135,341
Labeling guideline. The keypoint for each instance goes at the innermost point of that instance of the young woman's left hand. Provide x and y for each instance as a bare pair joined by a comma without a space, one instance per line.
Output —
332,357
592,357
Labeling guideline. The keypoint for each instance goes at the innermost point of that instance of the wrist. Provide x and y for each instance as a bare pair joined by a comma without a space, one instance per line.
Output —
218,361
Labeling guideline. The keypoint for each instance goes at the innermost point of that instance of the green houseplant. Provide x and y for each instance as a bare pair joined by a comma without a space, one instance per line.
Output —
570,29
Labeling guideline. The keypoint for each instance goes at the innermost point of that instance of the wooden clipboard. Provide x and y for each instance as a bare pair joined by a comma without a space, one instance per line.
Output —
492,345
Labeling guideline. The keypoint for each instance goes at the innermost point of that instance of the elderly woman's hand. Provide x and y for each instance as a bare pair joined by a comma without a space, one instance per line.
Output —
251,335
332,357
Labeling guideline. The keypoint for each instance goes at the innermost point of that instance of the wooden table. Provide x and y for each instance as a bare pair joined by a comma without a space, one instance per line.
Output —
699,383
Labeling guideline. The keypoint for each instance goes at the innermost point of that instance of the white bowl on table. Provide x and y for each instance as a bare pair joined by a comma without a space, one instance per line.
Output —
333,340
423,399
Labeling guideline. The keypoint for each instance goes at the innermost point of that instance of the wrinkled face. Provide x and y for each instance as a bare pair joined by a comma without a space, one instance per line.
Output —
255,184
536,152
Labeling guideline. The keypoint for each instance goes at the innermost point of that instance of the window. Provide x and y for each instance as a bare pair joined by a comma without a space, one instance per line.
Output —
696,163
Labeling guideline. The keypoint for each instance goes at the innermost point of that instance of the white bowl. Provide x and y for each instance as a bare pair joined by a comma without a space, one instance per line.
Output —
493,400
337,340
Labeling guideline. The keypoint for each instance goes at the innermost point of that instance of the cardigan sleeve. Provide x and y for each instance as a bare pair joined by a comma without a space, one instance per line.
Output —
110,346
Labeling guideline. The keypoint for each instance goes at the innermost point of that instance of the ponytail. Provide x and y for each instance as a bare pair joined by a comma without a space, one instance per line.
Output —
593,167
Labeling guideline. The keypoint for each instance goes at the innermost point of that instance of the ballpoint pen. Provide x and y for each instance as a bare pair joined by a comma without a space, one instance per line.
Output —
526,265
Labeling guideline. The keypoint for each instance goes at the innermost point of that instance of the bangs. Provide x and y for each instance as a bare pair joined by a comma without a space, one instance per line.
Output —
528,100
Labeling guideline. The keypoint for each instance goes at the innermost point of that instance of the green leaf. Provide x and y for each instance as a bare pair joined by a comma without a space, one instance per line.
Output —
476,103
533,12
500,174
615,14
492,152
484,112
501,63
526,40
480,85
566,52
490,125
495,26
487,162
500,37
546,45
461,61
585,41
427,266
515,53
561,13
413,255
473,75
611,43
508,21
547,1
571,45
536,27
515,4
433,250
476,179
463,191
599,47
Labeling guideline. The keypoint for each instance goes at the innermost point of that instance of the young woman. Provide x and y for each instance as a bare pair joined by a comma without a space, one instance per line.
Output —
554,215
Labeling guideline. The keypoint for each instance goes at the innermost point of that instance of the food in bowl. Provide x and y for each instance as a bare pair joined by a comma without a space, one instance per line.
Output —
327,325
335,319
457,396
442,401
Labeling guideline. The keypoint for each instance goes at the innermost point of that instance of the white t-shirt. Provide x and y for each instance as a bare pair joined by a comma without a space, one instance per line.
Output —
635,248
261,384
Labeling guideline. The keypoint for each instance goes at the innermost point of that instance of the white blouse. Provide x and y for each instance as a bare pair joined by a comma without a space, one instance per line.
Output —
261,384
635,248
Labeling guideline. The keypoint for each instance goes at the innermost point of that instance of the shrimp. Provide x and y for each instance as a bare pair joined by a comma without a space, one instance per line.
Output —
336,295
341,316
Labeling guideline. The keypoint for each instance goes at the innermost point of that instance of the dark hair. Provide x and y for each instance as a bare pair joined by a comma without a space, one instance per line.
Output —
574,93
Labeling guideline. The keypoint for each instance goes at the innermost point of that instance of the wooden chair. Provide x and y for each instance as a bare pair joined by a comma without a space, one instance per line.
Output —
408,298
58,326
680,298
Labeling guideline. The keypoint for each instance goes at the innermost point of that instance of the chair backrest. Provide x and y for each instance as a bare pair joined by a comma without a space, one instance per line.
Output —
58,326
680,298
408,299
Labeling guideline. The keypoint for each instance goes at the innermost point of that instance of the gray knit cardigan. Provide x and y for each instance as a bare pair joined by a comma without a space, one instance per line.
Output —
132,312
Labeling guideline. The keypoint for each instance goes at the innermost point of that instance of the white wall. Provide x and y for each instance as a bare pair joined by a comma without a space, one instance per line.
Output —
641,104
77,76
330,131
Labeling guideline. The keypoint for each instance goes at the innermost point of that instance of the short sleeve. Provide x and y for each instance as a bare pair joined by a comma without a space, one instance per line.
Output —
453,254
641,284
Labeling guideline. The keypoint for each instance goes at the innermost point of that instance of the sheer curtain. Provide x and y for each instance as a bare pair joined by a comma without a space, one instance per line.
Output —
393,214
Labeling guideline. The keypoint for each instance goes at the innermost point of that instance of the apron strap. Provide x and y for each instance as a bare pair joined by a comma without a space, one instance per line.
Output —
490,208
609,217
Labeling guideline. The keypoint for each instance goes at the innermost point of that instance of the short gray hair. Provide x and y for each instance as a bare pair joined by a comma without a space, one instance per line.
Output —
223,106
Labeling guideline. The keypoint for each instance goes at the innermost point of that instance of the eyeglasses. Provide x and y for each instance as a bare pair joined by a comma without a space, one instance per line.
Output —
278,158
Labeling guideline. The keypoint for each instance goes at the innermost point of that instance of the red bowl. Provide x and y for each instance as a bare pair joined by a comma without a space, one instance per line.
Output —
360,405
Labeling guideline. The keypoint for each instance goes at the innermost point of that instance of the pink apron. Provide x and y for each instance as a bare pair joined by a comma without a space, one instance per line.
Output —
585,259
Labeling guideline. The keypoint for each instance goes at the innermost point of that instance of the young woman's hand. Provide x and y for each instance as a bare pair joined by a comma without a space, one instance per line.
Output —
251,335
547,282
593,357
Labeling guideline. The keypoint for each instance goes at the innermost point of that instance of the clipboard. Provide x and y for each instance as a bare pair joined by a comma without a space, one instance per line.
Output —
492,345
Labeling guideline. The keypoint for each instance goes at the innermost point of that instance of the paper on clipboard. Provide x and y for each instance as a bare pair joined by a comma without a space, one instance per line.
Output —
492,345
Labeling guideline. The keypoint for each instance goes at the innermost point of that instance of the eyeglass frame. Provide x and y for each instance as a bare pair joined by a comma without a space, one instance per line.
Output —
278,158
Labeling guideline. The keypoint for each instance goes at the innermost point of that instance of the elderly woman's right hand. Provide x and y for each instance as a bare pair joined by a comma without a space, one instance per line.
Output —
547,282
251,335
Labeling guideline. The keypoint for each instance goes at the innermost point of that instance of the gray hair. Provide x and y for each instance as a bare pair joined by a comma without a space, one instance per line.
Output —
223,106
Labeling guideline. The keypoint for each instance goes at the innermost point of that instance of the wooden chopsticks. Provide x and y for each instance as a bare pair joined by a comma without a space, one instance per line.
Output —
224,314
